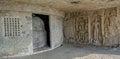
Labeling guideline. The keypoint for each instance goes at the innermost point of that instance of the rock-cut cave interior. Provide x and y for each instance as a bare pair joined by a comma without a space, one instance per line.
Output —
60,29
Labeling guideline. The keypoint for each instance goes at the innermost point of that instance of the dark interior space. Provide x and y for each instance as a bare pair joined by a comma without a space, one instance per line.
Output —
45,19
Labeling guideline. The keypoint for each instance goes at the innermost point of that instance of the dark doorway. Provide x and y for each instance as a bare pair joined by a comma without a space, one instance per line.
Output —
45,19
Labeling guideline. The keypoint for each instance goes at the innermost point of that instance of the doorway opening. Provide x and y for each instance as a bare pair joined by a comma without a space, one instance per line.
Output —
41,31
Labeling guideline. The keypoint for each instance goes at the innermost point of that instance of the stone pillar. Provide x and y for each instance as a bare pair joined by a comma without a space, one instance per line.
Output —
56,31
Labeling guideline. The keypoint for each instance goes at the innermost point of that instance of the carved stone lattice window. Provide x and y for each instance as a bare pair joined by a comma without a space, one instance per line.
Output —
11,27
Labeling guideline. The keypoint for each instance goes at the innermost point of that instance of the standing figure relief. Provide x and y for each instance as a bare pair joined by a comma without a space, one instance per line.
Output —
96,29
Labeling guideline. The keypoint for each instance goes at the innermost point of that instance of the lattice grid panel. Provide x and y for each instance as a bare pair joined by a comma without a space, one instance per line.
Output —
11,27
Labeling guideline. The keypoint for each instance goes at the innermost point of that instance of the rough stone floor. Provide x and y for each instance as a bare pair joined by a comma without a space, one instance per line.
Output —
76,52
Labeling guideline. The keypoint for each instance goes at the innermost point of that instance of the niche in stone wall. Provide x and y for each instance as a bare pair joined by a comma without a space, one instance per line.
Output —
76,27
109,15
110,27
96,28
81,30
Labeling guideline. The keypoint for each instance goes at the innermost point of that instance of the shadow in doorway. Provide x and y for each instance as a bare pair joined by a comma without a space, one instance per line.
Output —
41,32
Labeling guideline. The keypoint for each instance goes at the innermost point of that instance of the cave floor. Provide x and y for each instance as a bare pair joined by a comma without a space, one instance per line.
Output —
68,51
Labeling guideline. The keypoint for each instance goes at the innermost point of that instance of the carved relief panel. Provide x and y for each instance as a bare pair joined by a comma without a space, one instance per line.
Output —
103,27
96,28
81,27
76,27
69,28
109,15
111,32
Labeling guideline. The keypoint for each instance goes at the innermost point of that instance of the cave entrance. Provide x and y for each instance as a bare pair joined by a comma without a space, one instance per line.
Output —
41,31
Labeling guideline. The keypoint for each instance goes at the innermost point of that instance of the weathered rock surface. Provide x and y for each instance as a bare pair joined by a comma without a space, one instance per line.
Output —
98,27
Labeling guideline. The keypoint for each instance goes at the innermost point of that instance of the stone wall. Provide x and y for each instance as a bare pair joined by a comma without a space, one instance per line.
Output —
76,27
98,27
15,34
24,44
56,31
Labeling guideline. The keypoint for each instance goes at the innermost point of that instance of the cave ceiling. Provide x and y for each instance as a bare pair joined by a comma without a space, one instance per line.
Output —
72,5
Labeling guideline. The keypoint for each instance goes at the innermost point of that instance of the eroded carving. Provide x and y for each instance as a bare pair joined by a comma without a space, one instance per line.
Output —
103,27
79,26
96,30
82,29
109,16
